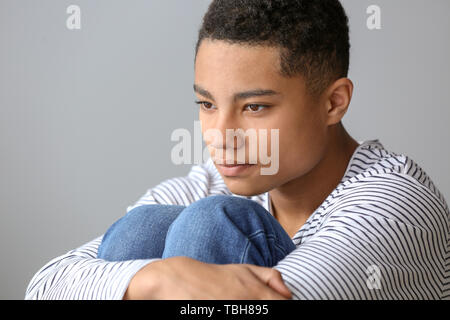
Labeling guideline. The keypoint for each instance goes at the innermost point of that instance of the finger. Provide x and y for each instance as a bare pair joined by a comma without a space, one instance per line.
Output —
263,291
278,284
272,278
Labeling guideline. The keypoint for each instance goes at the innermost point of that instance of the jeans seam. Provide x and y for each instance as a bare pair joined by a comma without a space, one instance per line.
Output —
245,251
281,249
256,233
268,237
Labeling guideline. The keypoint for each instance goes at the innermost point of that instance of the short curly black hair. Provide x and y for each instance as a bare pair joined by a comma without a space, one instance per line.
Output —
312,35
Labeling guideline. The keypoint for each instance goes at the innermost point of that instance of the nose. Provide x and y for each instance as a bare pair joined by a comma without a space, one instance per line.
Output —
223,132
228,139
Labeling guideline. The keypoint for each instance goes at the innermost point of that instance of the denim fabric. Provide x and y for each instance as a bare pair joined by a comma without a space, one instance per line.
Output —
217,229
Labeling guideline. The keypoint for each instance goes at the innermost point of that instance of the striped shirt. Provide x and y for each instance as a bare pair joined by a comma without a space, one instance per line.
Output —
383,233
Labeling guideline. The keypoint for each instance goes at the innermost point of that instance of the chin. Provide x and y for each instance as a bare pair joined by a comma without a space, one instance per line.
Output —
245,187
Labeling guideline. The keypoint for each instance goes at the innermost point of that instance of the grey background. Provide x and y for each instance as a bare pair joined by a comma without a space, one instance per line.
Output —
86,115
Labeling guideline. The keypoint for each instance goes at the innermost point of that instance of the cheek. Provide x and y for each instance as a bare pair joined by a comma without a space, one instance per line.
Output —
301,147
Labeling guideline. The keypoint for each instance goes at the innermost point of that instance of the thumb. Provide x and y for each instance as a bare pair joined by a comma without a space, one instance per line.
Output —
272,278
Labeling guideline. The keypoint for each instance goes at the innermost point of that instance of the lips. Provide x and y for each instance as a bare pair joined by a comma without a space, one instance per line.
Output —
233,170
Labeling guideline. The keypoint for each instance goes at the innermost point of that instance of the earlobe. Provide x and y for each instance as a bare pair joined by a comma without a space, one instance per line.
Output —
340,94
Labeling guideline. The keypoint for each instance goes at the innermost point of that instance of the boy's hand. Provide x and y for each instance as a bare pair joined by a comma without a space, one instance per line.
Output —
182,278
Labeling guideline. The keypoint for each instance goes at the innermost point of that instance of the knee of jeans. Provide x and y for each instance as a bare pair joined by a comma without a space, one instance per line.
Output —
142,210
216,206
202,219
132,218
130,223
139,227
216,199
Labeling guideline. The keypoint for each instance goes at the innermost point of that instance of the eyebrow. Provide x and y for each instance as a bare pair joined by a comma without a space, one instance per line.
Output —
239,95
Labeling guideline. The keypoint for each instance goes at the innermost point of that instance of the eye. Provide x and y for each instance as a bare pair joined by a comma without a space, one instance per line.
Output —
255,107
205,105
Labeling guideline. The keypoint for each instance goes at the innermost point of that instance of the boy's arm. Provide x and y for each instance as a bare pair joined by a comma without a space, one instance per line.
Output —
368,251
78,274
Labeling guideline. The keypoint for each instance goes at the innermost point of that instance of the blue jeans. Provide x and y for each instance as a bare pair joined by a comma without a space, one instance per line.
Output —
217,229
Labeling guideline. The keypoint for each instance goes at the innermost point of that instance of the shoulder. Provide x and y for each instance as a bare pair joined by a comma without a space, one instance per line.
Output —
372,159
384,184
392,185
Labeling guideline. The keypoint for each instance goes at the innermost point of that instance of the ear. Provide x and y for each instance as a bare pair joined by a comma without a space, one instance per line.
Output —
338,98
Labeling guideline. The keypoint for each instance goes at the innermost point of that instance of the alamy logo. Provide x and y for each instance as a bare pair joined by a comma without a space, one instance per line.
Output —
374,20
222,149
73,21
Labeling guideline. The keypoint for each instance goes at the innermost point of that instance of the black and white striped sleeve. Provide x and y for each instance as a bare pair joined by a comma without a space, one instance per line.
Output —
381,241
78,274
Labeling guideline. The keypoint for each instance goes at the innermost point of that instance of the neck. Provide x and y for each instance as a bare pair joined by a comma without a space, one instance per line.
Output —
295,201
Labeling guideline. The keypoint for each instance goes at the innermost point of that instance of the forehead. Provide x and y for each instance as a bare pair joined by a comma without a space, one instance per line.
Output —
224,69
220,59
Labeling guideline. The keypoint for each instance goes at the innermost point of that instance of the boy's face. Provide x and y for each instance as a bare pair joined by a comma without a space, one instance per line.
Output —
223,70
